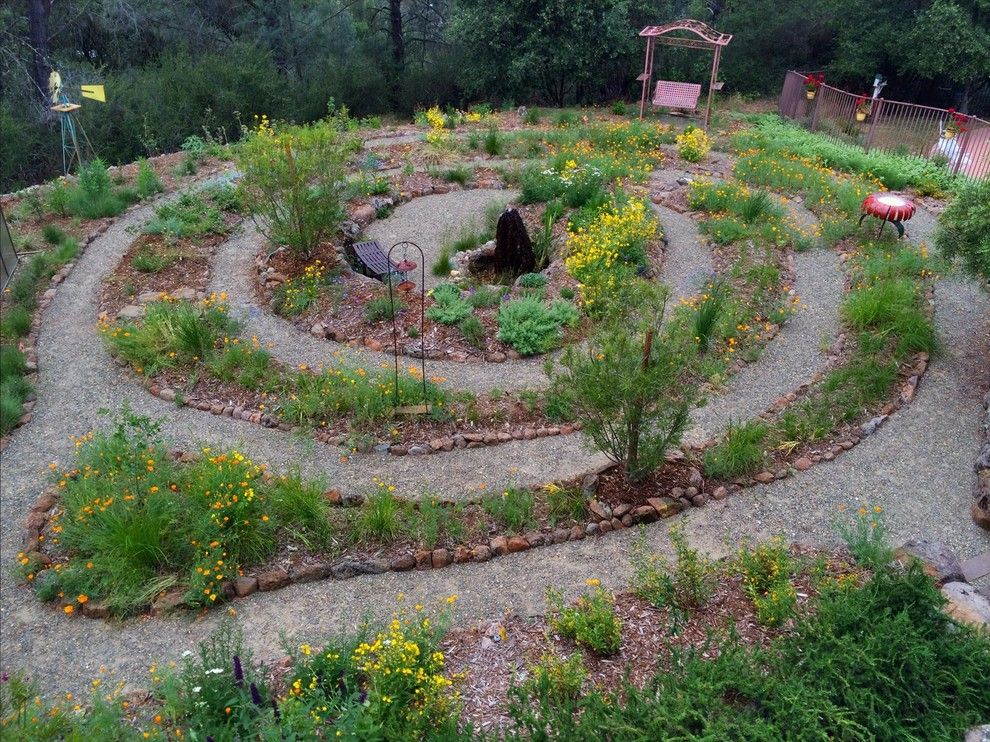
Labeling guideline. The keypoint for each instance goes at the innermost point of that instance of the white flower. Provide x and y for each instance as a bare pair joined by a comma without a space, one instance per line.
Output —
197,689
187,653
215,671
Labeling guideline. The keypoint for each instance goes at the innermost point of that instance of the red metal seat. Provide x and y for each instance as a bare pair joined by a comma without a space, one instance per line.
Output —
677,94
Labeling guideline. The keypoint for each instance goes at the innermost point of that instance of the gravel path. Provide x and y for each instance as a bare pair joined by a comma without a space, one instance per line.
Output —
792,357
687,262
430,220
918,467
233,272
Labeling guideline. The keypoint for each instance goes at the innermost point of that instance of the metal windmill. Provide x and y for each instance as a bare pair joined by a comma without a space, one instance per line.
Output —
72,131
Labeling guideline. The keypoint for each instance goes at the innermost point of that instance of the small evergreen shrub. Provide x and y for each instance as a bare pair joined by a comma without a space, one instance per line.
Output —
530,326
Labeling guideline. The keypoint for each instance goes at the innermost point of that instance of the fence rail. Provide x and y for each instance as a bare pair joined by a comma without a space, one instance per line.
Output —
889,126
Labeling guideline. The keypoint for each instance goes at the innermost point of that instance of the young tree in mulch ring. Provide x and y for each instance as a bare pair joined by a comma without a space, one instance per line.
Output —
629,386
293,180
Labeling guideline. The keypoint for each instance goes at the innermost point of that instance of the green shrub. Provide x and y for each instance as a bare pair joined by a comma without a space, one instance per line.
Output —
688,585
530,326
766,572
448,307
619,108
964,228
293,180
147,183
927,679
556,679
486,296
866,538
532,280
590,623
630,390
219,691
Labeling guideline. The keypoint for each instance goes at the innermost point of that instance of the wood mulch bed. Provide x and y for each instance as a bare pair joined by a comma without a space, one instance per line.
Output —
491,663
339,312
189,269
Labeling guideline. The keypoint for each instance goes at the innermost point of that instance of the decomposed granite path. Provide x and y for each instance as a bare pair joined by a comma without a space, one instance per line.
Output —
918,467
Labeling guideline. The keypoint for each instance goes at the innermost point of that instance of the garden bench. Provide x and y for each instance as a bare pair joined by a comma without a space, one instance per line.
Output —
374,260
677,94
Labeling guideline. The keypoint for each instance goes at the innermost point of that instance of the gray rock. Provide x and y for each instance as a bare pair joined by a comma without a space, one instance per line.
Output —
940,561
966,604
978,734
870,427
589,487
131,311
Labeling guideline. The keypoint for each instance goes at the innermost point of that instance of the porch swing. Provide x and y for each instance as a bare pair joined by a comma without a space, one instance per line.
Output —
681,95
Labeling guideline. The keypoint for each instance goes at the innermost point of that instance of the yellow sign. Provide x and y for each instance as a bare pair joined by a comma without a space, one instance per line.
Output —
94,92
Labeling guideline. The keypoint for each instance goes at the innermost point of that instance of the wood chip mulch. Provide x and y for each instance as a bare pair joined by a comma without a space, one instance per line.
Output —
491,663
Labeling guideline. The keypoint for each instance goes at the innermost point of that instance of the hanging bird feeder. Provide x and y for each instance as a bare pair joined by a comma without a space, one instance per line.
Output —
403,268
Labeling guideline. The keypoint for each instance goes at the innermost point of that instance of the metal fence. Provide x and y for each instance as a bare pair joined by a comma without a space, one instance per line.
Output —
889,126
8,255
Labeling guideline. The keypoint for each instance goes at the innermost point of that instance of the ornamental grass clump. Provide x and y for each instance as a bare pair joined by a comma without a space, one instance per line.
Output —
134,523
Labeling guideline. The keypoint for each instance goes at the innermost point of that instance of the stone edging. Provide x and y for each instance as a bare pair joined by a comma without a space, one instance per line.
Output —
30,347
469,439
606,519
980,509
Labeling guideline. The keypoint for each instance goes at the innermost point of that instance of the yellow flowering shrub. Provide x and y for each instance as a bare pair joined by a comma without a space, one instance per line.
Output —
393,682
693,145
616,238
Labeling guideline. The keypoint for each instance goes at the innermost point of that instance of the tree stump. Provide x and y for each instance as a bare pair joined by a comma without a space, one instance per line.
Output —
513,248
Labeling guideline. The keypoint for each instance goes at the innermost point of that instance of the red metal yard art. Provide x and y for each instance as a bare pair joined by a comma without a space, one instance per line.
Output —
888,208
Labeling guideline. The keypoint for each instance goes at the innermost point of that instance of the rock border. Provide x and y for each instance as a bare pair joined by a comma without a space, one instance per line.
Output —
605,518
980,508
29,345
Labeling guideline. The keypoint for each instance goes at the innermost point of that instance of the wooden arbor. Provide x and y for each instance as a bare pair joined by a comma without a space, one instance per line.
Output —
707,38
